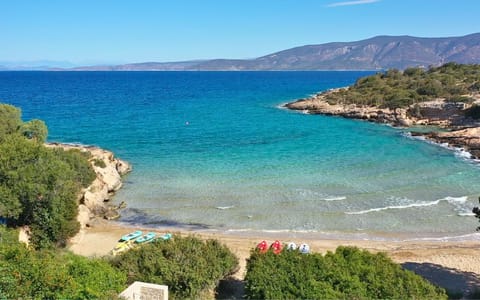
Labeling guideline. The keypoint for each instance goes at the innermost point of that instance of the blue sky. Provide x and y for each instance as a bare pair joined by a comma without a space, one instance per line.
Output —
121,31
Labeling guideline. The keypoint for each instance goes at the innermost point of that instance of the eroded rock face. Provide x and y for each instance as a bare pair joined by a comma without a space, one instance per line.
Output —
468,138
94,199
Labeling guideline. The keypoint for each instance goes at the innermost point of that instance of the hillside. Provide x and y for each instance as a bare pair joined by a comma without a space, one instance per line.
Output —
380,52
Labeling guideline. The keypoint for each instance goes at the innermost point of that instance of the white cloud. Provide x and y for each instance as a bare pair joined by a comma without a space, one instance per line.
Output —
356,2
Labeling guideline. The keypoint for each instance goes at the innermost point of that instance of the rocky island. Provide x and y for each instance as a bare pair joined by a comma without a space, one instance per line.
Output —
447,97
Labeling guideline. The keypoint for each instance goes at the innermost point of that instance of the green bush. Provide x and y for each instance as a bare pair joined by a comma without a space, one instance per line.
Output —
28,274
39,186
188,265
395,89
349,273
99,163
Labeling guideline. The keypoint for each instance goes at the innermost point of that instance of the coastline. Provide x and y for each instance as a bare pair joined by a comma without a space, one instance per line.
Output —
450,264
459,132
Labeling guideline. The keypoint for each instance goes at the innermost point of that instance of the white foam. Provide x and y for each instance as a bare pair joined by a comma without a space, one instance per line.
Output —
458,152
465,237
419,204
224,207
334,198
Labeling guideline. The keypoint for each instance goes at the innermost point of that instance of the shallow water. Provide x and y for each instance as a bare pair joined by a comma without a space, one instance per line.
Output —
215,150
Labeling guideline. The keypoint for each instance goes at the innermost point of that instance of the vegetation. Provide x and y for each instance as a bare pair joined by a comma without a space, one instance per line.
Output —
39,186
188,265
349,273
11,123
99,163
47,274
394,89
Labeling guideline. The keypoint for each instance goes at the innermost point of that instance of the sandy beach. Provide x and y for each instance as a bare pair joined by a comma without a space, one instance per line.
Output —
452,265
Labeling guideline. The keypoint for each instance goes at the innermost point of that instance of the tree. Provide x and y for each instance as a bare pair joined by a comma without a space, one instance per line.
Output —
188,265
10,120
28,274
348,273
35,129
39,187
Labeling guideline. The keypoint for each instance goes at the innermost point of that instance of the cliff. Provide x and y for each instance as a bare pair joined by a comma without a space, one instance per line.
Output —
94,200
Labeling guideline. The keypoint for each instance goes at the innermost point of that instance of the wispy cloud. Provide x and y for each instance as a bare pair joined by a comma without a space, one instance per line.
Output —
356,2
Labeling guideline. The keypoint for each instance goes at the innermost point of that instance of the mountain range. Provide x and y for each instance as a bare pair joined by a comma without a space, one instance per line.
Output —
380,52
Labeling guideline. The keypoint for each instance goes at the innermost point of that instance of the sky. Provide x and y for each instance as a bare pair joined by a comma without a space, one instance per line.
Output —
86,32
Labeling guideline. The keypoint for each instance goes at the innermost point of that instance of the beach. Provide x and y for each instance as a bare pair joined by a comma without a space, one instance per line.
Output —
450,264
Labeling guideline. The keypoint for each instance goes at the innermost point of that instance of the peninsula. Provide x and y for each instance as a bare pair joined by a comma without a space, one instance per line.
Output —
445,97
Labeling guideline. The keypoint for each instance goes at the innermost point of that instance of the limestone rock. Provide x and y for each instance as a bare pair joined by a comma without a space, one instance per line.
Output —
83,216
109,171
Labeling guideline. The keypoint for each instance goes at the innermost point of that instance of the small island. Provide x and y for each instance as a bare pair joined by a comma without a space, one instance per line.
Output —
445,97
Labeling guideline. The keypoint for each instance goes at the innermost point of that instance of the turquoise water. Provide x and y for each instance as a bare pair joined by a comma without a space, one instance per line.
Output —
213,150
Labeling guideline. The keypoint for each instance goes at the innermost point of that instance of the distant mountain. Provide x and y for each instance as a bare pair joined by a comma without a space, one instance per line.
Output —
34,65
145,66
380,52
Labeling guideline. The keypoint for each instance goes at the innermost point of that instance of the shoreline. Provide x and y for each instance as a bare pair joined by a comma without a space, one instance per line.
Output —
450,264
459,134
286,234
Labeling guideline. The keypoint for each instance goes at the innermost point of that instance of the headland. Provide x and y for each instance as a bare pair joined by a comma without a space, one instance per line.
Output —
442,101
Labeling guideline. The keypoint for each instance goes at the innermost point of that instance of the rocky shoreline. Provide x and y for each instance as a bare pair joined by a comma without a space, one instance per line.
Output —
94,201
459,131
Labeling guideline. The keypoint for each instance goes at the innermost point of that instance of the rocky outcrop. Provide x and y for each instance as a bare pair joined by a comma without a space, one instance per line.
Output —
468,139
318,105
463,132
94,201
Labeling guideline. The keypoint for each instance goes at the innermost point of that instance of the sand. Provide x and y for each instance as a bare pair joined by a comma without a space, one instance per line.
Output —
453,265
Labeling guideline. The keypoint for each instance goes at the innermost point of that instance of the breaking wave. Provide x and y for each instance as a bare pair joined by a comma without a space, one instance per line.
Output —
452,200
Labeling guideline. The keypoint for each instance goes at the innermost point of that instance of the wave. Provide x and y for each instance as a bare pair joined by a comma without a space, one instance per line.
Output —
364,236
457,151
224,207
314,196
464,237
334,198
451,200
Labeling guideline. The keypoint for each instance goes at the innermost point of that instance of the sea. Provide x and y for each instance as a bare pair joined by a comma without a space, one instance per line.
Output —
215,151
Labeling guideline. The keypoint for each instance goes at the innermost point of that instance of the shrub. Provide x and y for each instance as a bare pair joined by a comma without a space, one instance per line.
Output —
28,274
349,273
188,265
400,89
39,187
99,163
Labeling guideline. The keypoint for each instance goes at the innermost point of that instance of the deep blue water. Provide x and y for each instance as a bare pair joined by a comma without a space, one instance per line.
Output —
214,148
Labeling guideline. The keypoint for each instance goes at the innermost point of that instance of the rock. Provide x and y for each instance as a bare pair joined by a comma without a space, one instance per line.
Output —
435,112
109,171
404,122
123,167
83,216
122,205
111,214
475,153
24,235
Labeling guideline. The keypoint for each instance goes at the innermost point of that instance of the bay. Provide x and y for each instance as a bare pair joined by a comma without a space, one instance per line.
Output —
214,150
